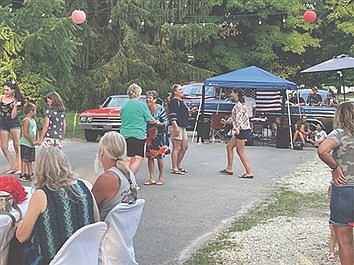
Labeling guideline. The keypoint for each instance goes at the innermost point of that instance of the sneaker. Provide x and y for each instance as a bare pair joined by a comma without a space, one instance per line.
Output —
25,177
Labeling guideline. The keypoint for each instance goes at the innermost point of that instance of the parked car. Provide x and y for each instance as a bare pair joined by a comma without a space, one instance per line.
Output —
96,122
322,114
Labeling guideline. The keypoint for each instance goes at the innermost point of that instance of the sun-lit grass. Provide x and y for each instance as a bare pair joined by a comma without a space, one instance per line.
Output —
73,129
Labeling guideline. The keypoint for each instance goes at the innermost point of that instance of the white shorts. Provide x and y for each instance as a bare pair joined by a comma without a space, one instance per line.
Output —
181,136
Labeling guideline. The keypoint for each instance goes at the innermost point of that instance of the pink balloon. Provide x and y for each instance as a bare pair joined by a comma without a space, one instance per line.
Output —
78,16
310,16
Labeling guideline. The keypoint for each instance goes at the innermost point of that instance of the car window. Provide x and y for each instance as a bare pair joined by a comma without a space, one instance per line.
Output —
118,102
115,102
196,90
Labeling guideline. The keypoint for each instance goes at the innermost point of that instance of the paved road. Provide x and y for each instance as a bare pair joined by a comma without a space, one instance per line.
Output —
181,215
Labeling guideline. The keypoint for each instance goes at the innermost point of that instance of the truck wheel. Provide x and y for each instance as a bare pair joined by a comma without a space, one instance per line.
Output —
91,136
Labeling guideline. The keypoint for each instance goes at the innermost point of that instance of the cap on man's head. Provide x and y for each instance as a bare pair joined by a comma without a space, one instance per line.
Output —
314,88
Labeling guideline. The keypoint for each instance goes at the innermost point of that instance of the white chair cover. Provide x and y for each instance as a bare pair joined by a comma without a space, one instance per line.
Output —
82,247
117,245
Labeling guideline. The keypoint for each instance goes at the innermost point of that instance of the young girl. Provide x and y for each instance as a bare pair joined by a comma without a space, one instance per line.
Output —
10,101
27,142
54,122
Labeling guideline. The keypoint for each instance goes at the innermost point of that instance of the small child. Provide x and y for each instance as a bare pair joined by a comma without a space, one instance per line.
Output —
318,135
27,141
332,238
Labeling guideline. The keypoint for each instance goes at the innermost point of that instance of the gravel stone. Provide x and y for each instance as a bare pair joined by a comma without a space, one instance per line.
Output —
287,240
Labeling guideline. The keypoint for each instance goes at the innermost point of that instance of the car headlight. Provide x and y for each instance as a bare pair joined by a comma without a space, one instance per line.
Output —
89,119
83,119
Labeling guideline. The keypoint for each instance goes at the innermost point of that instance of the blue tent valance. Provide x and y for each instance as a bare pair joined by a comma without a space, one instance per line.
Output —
250,77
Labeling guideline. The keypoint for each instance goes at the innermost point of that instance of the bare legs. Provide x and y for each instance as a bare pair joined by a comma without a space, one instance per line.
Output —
230,153
299,134
345,241
4,138
179,148
240,148
134,163
151,169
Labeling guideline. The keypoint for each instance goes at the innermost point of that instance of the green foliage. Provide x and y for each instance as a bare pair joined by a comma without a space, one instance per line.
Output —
159,43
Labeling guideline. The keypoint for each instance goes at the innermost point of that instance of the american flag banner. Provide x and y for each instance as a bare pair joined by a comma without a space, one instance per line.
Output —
268,101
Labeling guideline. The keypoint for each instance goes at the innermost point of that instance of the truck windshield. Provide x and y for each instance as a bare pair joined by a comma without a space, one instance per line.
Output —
115,102
196,90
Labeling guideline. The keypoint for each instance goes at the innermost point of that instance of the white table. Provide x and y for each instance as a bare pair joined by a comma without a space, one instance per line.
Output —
7,230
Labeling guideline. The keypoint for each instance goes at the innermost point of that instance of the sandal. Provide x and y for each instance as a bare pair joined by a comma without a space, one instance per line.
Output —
245,176
148,183
331,256
183,170
224,171
177,172
11,171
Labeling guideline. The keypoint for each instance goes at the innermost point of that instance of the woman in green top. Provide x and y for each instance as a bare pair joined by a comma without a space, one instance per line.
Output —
134,116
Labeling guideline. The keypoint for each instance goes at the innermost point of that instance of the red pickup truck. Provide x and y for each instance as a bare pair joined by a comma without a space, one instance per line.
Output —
96,122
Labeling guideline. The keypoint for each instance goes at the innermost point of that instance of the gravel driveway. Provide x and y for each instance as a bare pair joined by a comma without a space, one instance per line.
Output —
288,240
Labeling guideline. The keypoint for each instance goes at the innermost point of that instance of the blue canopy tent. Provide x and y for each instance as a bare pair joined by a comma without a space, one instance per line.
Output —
250,77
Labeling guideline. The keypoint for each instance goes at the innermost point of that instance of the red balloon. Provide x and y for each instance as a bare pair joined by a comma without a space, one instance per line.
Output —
78,16
310,16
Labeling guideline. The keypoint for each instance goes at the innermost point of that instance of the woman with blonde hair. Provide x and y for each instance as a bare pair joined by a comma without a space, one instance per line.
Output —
117,184
134,116
60,205
179,121
337,151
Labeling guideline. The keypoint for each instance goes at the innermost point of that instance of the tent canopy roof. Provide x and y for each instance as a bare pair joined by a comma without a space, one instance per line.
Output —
250,77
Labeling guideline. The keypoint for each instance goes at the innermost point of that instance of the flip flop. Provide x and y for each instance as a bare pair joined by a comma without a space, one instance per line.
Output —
224,171
159,183
245,176
148,183
12,171
183,170
177,172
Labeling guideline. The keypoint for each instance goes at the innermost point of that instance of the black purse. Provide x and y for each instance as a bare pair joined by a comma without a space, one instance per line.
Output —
16,252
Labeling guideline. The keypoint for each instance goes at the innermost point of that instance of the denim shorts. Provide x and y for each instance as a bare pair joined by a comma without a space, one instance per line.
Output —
342,205
6,124
244,135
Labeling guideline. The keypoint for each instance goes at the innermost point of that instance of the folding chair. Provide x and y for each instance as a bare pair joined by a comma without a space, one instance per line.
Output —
117,245
82,247
217,128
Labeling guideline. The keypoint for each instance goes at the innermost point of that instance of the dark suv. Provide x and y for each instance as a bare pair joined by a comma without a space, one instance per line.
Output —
95,122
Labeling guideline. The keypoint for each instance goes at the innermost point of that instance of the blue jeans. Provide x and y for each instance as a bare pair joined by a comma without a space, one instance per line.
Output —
342,205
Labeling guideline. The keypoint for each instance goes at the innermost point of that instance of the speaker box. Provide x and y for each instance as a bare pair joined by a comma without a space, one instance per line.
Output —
283,138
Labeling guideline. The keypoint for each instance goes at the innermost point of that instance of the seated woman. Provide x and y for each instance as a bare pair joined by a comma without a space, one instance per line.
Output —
60,205
302,130
117,184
